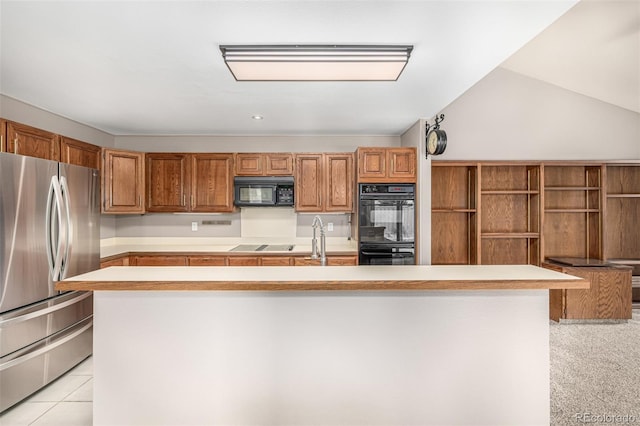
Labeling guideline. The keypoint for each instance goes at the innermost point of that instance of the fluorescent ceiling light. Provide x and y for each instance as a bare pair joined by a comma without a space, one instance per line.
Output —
316,62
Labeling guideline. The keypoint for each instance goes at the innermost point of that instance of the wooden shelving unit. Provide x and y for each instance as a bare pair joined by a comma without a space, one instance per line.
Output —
519,212
622,228
454,221
573,211
510,213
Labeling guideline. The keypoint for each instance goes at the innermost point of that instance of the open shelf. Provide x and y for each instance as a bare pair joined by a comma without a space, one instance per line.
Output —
453,210
623,195
510,192
572,205
454,218
510,235
509,213
622,211
572,188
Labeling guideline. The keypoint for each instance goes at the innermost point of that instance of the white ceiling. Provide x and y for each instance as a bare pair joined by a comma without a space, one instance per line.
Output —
594,50
151,67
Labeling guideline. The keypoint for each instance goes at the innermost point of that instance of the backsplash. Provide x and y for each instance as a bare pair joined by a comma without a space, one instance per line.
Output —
249,222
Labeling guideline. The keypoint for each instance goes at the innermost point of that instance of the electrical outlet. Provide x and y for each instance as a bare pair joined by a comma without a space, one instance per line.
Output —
194,226
330,226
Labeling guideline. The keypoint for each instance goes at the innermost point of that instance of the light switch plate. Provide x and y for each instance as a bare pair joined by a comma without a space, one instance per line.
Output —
194,226
330,226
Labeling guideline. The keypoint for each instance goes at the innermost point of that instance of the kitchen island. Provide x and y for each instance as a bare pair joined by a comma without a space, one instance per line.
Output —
342,345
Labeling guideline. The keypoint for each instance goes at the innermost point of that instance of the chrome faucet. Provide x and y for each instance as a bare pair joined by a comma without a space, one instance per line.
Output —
314,242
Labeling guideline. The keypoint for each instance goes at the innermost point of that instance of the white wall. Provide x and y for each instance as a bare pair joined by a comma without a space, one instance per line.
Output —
507,116
413,137
252,143
18,111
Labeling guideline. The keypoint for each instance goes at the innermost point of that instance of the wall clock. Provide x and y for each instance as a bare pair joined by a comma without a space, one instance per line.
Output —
436,138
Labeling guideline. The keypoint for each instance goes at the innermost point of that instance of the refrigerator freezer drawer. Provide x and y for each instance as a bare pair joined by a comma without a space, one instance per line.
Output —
26,371
23,327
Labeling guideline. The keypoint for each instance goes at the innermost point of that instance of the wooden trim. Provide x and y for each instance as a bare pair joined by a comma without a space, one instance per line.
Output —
346,285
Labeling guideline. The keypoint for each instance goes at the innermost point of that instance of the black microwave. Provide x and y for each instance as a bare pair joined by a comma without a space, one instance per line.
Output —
269,191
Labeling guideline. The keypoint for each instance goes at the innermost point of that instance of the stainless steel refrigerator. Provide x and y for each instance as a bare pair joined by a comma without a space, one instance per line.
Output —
49,230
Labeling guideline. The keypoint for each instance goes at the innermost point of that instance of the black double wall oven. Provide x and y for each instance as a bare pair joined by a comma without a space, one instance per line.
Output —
386,224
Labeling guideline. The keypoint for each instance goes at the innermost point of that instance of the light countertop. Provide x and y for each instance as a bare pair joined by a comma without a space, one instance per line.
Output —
292,278
117,246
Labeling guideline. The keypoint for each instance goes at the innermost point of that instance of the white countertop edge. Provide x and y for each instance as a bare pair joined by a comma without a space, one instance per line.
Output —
325,274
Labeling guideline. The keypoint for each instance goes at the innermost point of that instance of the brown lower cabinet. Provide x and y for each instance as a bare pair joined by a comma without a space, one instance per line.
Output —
609,295
122,260
331,261
152,259
158,260
207,261
243,261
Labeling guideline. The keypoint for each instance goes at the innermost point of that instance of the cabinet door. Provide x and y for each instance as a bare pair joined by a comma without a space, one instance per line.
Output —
372,164
250,164
275,260
309,182
26,140
331,261
279,164
122,181
339,183
342,260
212,183
305,261
169,260
207,260
244,261
79,153
167,183
401,164
3,135
119,261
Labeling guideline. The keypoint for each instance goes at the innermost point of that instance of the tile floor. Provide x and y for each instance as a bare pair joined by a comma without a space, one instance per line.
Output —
65,402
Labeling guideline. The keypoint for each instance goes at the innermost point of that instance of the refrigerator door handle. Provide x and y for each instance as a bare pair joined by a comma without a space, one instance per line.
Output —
64,189
49,347
54,248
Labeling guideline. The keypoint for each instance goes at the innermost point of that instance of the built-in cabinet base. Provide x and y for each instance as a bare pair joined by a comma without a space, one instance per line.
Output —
608,298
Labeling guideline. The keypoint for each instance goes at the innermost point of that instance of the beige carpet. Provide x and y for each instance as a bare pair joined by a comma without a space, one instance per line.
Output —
595,373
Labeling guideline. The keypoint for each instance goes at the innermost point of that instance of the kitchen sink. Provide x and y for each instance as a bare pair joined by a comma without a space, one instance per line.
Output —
263,247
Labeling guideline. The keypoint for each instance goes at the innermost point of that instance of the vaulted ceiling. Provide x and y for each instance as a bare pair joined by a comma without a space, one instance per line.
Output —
151,67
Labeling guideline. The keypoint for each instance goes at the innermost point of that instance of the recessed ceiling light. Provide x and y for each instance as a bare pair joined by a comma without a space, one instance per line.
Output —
257,117
316,62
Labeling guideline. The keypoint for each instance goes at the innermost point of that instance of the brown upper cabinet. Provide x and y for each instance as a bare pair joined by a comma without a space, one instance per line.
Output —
167,182
324,182
177,182
386,165
27,140
264,164
211,182
339,182
122,181
79,153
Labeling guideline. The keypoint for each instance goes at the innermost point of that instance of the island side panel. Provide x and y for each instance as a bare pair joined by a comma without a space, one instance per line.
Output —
331,358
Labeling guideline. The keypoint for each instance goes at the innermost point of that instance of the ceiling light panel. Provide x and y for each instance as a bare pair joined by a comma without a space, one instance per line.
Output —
316,62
